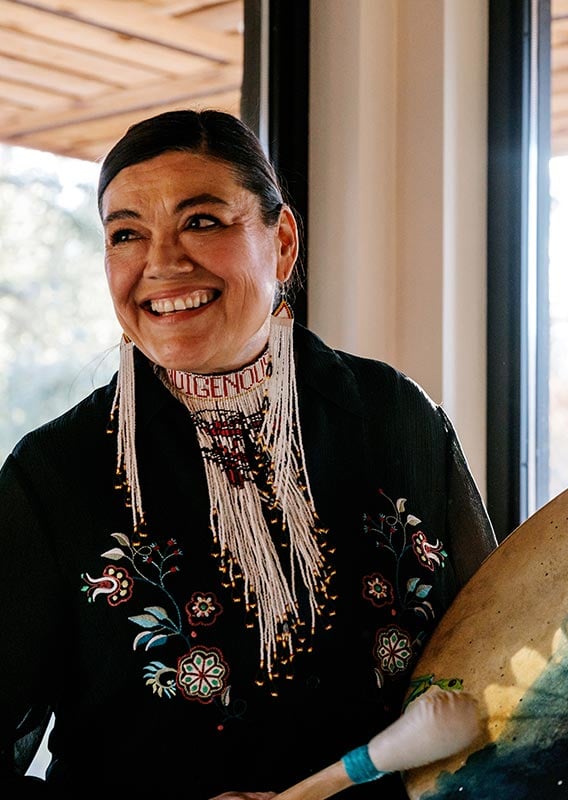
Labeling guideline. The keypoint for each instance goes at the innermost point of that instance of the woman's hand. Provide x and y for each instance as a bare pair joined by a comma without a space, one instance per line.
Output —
244,796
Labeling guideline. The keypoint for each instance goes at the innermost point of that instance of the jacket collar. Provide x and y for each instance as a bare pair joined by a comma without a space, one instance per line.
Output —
326,371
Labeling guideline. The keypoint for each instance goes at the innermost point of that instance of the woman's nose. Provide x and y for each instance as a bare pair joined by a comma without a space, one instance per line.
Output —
166,257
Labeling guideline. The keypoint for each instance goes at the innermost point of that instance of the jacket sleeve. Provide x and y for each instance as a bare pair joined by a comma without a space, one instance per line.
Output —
473,537
32,654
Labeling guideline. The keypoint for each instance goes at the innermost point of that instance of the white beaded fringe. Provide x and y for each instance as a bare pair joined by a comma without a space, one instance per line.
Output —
238,512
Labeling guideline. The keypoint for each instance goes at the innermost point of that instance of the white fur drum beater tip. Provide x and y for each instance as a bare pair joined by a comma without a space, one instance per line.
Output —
438,724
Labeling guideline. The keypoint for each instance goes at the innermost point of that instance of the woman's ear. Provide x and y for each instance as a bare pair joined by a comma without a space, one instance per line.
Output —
287,243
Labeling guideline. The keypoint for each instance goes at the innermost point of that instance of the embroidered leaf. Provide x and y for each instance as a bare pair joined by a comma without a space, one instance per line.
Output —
141,638
423,590
423,608
412,520
121,538
157,640
156,665
379,677
157,611
115,554
400,504
145,621
411,584
226,696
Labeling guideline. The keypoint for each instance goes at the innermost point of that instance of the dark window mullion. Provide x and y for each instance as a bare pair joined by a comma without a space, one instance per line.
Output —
506,109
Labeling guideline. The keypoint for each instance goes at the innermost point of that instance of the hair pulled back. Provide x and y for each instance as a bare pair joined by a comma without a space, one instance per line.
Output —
210,132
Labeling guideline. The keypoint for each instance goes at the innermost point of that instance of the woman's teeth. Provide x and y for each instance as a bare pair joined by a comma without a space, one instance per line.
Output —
194,300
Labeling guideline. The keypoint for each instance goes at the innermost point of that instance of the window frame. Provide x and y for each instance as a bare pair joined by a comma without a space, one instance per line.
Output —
517,260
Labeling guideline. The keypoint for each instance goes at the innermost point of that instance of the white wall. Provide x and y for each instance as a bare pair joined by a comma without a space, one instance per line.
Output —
397,193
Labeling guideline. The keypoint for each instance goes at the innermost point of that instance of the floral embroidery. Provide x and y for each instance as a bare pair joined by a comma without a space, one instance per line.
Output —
431,555
162,679
200,673
421,683
391,532
393,649
203,608
377,589
115,583
234,710
410,561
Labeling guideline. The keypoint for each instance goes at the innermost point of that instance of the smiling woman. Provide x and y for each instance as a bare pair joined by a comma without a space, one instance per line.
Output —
237,548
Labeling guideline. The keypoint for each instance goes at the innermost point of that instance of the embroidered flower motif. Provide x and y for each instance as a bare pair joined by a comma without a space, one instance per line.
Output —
392,533
201,673
202,608
115,583
393,649
430,555
377,589
162,679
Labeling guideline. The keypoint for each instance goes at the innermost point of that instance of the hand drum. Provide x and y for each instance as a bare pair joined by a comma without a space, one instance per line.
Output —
505,640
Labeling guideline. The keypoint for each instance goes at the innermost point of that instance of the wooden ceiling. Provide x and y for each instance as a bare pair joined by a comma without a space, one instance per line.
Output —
74,74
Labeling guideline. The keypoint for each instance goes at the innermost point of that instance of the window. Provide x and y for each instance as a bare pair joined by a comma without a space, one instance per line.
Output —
58,333
527,248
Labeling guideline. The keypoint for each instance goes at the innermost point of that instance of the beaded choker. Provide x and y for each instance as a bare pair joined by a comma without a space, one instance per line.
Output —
217,387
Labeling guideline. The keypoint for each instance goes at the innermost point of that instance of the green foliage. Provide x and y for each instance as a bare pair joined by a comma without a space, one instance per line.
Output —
58,333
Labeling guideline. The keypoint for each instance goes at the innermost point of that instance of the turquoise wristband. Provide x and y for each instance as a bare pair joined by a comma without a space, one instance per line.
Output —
359,767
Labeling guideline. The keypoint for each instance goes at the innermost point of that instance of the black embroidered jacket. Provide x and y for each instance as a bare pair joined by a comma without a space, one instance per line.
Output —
144,650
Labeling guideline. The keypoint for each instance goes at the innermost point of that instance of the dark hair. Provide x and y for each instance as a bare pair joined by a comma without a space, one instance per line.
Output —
210,132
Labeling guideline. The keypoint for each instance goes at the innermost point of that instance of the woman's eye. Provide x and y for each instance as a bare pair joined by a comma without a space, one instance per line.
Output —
122,235
201,222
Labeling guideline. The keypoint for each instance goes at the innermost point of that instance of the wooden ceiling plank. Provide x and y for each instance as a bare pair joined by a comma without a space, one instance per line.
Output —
130,19
72,59
559,60
227,17
559,33
59,30
559,80
41,77
174,91
559,104
175,7
92,142
558,8
29,97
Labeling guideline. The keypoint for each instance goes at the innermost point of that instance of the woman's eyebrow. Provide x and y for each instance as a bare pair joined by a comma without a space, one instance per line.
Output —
121,213
187,202
198,199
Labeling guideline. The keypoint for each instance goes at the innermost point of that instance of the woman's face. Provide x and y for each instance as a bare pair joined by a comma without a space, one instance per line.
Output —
190,264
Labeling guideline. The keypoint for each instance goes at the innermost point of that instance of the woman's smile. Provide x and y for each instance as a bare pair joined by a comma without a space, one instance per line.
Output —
172,305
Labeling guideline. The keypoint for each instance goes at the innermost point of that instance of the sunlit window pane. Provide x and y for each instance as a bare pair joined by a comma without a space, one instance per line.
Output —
558,299
58,333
